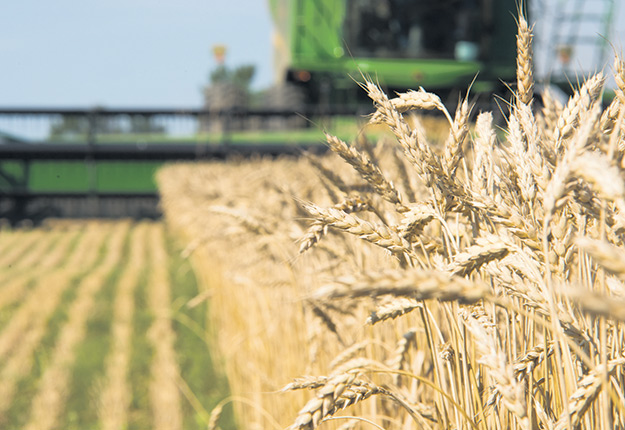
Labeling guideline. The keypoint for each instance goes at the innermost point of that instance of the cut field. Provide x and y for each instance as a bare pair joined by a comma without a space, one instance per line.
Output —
96,331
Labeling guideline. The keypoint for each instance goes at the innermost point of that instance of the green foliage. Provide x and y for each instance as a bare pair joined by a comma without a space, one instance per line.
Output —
241,76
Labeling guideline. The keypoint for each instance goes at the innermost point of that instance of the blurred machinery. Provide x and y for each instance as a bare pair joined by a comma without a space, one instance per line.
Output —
323,47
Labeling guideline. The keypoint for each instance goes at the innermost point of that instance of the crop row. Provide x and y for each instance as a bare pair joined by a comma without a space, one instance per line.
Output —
93,322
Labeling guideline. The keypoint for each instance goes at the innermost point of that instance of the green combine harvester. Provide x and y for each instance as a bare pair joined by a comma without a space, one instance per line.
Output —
322,47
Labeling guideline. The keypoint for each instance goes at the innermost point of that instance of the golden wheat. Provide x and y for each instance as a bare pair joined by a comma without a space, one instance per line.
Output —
493,297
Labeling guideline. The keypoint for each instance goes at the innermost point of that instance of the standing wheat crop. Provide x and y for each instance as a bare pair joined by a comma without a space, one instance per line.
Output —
474,282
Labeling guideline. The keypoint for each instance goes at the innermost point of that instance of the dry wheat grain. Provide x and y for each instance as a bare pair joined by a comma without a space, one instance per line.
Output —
492,356
408,101
610,257
577,108
457,135
319,229
483,152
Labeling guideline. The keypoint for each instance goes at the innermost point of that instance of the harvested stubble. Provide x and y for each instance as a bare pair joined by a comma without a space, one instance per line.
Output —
81,342
49,401
116,394
46,258
21,337
164,393
486,302
19,247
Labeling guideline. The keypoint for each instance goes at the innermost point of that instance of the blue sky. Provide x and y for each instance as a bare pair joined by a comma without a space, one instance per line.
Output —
115,53
139,53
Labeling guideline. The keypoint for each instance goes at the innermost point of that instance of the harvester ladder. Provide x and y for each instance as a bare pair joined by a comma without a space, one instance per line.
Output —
580,34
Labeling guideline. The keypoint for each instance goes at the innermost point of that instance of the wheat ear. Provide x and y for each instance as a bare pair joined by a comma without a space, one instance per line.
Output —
588,389
337,393
348,354
417,152
619,79
366,168
375,233
408,101
598,304
395,308
319,229
400,356
524,68
576,108
487,249
511,391
213,420
417,284
457,135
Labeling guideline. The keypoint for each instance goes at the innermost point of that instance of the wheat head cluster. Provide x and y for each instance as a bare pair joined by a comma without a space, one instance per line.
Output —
472,283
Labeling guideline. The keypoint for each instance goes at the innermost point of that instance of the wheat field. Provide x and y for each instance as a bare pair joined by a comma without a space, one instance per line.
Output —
473,282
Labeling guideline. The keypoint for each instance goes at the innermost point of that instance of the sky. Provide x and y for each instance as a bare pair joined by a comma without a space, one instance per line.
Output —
133,53
125,53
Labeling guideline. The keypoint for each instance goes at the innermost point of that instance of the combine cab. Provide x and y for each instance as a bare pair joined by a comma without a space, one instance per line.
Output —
323,46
